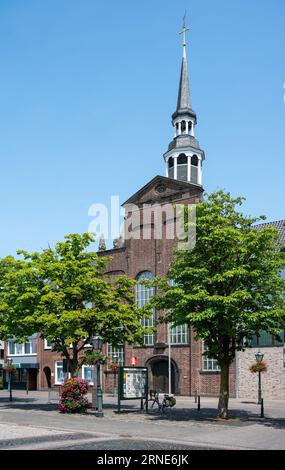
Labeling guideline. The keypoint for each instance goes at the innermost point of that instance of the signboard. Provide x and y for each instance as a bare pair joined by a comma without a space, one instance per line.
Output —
134,360
133,384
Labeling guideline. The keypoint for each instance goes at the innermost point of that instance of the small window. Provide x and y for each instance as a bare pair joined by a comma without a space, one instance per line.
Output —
11,348
47,344
183,126
210,364
88,373
116,355
194,160
170,162
59,374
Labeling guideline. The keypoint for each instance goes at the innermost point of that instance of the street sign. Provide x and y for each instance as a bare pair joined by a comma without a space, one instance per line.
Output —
134,360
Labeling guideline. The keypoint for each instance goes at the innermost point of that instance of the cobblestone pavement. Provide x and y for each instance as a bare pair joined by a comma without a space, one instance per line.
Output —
131,444
30,422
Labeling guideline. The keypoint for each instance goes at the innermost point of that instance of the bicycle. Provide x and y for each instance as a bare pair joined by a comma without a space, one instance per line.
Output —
168,400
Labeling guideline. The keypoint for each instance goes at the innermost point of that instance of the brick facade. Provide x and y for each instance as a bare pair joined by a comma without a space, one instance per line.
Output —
154,255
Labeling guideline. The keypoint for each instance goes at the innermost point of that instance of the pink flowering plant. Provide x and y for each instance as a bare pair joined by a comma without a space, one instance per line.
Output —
73,397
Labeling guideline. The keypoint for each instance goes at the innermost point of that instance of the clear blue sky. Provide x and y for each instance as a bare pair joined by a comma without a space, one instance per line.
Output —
87,90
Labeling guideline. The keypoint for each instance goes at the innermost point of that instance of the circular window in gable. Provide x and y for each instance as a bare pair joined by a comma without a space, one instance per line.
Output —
160,188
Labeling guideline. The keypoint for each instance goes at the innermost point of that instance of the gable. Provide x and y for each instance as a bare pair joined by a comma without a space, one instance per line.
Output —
161,189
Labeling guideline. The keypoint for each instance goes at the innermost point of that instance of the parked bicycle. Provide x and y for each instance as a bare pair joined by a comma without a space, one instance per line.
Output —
161,400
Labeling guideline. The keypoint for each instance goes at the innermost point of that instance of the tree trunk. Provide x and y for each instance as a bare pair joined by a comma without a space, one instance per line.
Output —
224,392
74,368
74,362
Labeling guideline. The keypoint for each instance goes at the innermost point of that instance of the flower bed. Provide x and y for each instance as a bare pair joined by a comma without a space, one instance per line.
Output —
73,399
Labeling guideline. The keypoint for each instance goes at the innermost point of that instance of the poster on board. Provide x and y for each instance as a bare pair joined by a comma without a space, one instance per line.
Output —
134,382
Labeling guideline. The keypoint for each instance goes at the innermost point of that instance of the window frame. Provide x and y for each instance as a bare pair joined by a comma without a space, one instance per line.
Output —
20,348
207,360
183,334
145,294
56,367
83,368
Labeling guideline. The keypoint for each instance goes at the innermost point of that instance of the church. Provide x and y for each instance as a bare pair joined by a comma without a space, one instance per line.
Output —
174,359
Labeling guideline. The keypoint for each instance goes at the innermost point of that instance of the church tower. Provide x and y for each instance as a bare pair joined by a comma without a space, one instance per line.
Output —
184,157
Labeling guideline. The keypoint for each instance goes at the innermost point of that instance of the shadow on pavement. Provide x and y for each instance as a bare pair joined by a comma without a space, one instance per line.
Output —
237,417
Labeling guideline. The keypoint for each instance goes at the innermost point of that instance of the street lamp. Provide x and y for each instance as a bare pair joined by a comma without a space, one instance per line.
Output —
115,359
9,363
98,344
259,358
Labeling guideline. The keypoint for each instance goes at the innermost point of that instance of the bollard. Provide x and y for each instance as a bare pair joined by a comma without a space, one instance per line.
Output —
195,396
199,404
262,409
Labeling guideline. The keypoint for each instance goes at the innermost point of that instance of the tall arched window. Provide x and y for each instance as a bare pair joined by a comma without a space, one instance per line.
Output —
182,167
143,295
178,334
171,167
183,127
182,159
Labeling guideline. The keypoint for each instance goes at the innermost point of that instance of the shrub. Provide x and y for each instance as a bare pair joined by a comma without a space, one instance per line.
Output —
73,399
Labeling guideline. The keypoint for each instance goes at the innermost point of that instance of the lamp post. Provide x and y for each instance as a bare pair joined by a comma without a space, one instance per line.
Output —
115,359
98,344
9,364
259,358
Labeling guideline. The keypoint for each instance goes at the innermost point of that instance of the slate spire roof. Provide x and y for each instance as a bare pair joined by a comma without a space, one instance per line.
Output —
184,102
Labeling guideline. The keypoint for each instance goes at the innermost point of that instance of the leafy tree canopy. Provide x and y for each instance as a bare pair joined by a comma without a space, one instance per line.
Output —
228,287
64,295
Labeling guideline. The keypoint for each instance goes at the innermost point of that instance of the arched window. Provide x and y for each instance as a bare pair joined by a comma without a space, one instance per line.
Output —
183,127
189,126
182,167
177,334
194,169
143,295
170,162
182,159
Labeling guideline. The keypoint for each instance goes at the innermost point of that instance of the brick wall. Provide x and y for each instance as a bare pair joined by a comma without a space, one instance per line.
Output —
272,381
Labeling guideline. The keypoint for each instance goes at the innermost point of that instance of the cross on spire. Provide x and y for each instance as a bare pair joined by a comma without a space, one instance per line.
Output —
183,32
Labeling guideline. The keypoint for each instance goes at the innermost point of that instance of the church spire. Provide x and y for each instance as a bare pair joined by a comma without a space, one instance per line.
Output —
184,156
183,102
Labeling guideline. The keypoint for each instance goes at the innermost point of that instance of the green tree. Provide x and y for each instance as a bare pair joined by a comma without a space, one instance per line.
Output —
64,295
228,287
